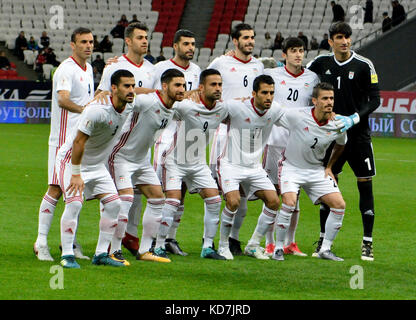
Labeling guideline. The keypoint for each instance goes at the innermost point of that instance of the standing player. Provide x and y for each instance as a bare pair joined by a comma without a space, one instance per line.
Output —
249,126
356,96
185,160
184,46
311,133
130,166
88,149
136,39
294,86
238,73
72,89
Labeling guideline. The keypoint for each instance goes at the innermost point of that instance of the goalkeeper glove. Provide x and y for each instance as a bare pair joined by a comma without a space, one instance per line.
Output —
343,123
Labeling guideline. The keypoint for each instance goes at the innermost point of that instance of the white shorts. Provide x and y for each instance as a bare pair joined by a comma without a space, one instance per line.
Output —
97,179
313,181
52,176
251,179
128,174
196,177
271,157
218,143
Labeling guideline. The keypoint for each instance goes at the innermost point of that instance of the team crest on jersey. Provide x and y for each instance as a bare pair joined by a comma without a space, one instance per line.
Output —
247,120
111,122
306,85
217,115
283,82
351,75
255,70
81,79
306,129
328,72
233,69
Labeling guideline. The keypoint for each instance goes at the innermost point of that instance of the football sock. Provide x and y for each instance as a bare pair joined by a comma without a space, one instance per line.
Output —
266,219
333,224
69,222
283,222
134,214
46,212
108,222
290,234
239,218
226,224
176,221
151,221
168,213
212,208
125,203
365,189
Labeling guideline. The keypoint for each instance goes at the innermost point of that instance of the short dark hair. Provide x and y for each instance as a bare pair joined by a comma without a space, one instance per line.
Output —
208,72
134,25
321,86
262,79
116,76
169,74
340,27
385,13
236,32
292,42
80,30
182,33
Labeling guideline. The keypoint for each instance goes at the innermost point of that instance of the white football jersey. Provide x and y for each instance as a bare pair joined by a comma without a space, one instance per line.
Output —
293,91
144,73
191,73
237,75
102,123
69,76
143,128
196,124
247,132
308,139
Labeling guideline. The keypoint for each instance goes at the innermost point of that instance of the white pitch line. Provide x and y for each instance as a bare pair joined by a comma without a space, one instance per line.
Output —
377,159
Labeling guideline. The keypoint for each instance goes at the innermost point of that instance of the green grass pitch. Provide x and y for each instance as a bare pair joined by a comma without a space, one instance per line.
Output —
23,177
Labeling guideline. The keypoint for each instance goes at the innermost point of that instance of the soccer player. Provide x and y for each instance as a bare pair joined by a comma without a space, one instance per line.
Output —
310,133
136,39
249,126
238,72
356,96
184,46
72,89
130,166
294,85
87,150
185,160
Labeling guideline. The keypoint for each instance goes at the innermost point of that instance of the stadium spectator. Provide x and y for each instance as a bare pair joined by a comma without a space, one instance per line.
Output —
267,42
149,57
51,57
368,15
399,15
106,45
304,39
20,45
314,43
324,45
134,19
40,61
338,11
124,21
97,75
32,44
99,64
4,61
118,30
161,57
386,25
96,44
278,40
44,40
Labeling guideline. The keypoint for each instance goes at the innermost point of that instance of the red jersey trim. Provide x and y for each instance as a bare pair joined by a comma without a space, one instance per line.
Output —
136,65
318,123
255,110
160,97
242,61
184,68
205,105
83,69
295,75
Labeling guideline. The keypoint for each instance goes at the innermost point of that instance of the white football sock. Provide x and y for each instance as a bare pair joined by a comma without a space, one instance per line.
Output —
151,221
176,221
46,212
226,224
108,222
283,222
266,219
239,218
125,203
332,226
212,208
134,214
69,222
168,213
290,234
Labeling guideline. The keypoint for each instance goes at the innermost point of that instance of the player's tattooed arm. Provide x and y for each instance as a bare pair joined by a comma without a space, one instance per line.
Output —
66,103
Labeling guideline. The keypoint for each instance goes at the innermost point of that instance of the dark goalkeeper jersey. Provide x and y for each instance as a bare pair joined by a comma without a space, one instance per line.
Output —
356,89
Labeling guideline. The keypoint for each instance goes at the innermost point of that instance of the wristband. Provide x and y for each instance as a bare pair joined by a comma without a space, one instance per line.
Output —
76,169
